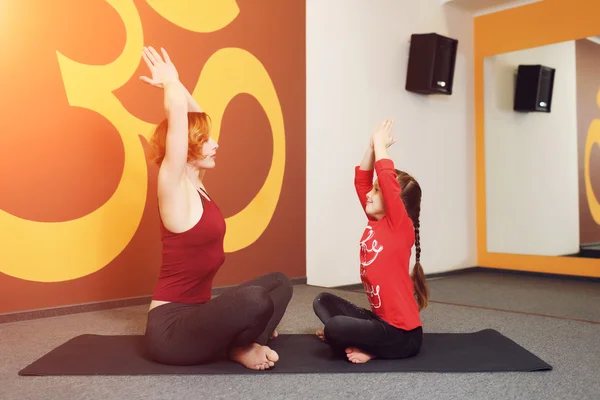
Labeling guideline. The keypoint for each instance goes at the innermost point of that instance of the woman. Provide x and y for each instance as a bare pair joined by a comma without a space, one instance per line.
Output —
185,326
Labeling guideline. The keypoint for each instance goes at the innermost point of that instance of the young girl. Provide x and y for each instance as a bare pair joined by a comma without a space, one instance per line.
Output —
392,328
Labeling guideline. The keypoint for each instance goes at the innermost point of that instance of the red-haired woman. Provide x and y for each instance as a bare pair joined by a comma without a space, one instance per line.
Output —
185,326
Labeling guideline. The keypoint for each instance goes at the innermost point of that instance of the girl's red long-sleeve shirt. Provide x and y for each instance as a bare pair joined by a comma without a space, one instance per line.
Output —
385,250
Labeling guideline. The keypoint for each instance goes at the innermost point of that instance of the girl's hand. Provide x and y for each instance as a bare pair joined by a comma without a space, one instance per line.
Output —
383,134
163,71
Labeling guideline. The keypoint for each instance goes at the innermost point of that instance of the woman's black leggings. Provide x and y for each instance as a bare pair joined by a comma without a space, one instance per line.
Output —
186,334
347,325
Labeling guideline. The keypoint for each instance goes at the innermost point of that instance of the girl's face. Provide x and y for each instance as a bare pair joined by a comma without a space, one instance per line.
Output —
375,206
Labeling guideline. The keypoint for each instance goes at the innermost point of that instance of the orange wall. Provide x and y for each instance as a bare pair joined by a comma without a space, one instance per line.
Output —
78,210
533,25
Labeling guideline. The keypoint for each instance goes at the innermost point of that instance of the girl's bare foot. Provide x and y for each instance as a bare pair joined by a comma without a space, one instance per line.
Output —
357,356
254,356
321,335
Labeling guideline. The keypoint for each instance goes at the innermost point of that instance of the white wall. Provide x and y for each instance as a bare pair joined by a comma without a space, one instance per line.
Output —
531,158
357,53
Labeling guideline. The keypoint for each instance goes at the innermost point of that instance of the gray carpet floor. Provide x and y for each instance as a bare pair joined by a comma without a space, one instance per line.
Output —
570,346
532,294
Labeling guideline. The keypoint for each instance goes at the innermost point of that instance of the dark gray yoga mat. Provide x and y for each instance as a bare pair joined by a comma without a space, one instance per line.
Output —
483,351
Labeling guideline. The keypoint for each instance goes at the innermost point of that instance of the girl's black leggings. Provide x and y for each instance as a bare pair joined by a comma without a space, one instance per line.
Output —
186,334
347,325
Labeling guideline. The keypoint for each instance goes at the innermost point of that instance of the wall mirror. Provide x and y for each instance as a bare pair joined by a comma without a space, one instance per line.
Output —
542,161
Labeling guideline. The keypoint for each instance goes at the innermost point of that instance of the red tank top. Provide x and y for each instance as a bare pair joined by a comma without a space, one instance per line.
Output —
191,259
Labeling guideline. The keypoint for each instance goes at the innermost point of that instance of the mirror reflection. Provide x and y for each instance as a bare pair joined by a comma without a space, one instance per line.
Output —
542,150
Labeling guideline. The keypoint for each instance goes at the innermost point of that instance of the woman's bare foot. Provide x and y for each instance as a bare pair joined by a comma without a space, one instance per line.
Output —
321,335
357,356
274,334
254,356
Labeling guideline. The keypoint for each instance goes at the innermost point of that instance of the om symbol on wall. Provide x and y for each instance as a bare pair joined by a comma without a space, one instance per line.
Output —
61,250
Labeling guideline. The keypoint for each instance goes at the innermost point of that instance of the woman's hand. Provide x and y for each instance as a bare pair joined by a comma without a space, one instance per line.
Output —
163,71
383,134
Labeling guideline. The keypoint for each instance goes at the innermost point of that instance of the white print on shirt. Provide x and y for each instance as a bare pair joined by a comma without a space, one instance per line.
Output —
368,255
373,295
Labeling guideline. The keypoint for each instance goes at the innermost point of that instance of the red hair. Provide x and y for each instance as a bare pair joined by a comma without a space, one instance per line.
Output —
198,134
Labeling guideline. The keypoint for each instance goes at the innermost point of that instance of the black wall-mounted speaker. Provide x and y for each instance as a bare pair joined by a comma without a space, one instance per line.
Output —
533,90
431,63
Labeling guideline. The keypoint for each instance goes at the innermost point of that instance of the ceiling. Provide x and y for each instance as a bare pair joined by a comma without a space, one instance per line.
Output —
486,6
595,39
